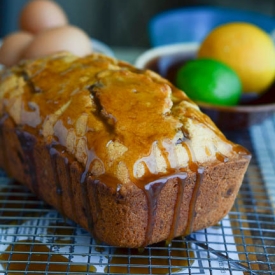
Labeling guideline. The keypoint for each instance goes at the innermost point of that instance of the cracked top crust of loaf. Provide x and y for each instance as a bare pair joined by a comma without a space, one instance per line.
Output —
122,124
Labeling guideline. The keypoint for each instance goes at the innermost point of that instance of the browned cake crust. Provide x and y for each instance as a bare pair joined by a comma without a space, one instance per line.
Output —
133,193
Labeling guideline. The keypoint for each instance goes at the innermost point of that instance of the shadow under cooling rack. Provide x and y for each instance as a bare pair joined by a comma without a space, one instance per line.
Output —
35,239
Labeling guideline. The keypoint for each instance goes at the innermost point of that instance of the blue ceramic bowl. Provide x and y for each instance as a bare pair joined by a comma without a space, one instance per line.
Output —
193,24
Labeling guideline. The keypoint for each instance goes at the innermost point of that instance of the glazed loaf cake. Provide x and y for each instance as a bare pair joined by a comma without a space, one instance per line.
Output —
118,150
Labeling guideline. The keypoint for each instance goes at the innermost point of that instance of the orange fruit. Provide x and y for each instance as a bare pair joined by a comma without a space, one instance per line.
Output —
247,49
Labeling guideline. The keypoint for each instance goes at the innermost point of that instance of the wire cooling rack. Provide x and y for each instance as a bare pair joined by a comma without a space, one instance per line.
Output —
35,239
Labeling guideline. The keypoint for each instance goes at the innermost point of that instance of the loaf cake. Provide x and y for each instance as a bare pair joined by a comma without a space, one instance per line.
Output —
119,150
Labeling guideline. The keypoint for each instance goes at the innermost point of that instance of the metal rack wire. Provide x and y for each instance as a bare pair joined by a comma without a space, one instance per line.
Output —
35,239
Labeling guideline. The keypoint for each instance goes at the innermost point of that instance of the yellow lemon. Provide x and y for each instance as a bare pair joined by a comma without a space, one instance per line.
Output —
247,49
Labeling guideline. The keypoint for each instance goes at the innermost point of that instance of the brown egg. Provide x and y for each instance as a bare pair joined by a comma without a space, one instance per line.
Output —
68,38
39,15
13,47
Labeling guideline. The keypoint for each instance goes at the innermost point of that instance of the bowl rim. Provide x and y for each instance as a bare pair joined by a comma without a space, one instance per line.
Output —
191,48
239,108
170,49
101,47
